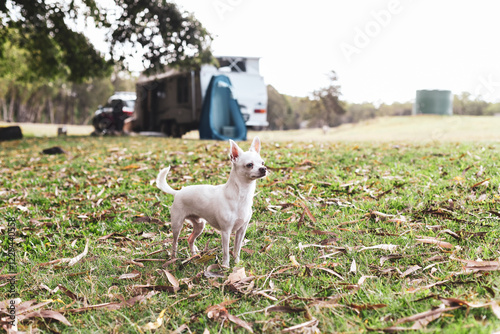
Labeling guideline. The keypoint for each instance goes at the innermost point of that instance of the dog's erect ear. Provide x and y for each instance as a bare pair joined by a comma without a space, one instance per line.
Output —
234,150
255,145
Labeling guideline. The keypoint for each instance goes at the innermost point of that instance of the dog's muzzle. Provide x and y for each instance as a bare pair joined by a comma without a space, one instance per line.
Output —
263,171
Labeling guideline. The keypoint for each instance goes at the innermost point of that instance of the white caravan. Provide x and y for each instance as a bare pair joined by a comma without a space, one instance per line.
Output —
171,102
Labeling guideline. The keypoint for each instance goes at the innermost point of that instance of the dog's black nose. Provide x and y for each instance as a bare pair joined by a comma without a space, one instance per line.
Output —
262,170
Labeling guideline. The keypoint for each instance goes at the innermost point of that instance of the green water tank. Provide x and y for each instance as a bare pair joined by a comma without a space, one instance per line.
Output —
437,102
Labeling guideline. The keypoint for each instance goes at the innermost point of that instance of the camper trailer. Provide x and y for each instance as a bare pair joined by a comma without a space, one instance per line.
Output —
172,102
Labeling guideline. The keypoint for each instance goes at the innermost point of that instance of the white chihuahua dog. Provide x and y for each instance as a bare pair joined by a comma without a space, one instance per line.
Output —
226,207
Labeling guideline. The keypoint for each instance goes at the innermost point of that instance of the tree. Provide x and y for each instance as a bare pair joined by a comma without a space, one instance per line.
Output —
279,110
47,30
464,104
493,109
123,81
15,85
357,112
395,109
327,107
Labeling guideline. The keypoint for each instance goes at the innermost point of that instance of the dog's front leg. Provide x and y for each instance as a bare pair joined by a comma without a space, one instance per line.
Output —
226,235
238,240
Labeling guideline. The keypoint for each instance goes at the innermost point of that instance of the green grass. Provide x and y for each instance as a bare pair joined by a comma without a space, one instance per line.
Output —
105,185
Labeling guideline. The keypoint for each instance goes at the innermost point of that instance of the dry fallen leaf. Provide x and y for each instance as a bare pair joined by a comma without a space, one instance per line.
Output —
414,290
484,182
286,309
171,278
425,315
237,275
157,324
149,235
307,212
133,166
422,323
181,329
421,320
77,258
388,247
108,306
330,271
240,322
439,243
212,271
311,325
44,314
29,310
495,308
479,265
294,261
219,312
132,275
69,293
362,279
153,287
410,270
51,291
367,306
353,268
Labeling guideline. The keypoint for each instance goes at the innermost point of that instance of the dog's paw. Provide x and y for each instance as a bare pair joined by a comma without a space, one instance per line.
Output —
194,250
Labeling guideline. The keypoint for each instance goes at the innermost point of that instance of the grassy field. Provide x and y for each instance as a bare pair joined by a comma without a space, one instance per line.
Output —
420,129
346,237
417,129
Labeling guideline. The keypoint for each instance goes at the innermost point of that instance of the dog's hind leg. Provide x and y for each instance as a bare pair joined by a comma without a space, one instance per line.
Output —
198,226
177,222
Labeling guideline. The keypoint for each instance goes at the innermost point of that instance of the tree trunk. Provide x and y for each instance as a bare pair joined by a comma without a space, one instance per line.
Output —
71,111
66,110
37,115
5,110
22,113
86,116
50,110
10,118
29,111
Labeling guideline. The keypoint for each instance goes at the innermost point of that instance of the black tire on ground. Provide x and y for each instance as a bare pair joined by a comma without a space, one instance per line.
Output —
103,124
10,133
165,128
172,129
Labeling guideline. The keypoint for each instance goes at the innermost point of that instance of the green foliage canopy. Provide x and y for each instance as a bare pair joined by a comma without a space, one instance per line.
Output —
47,30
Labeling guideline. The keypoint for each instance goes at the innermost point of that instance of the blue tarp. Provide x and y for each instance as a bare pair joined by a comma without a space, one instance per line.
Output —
221,116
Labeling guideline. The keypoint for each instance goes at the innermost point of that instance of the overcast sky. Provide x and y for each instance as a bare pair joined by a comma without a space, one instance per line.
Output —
382,50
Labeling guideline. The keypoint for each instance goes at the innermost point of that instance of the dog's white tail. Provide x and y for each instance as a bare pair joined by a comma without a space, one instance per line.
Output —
162,183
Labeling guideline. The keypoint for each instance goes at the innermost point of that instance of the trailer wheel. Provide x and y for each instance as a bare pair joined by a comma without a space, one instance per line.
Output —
178,130
172,129
164,128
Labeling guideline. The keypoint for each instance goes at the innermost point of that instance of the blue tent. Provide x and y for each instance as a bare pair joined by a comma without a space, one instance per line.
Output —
221,116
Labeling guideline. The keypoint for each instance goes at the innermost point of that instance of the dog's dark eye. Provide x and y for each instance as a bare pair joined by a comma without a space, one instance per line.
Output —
250,165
